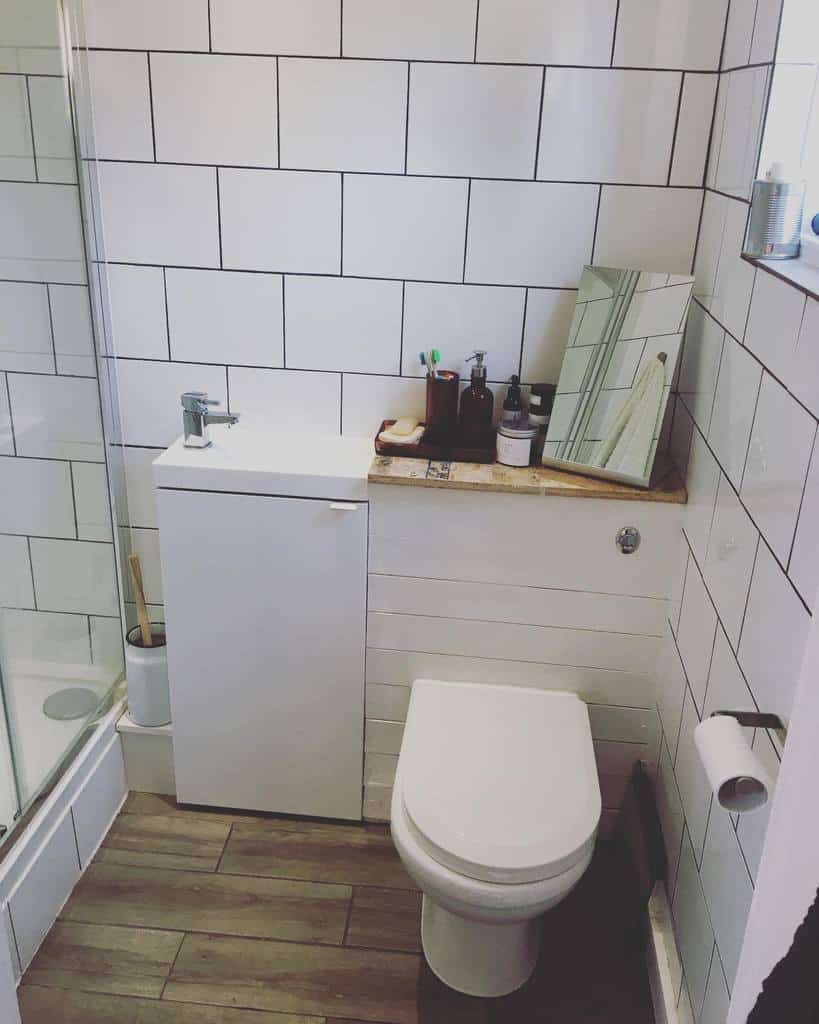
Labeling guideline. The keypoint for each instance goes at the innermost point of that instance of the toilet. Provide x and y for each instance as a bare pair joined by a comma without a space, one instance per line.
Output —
494,814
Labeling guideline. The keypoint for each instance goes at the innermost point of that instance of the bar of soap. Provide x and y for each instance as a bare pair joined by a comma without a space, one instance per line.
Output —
405,426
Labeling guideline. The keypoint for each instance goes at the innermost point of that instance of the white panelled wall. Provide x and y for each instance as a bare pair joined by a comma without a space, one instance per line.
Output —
296,199
745,429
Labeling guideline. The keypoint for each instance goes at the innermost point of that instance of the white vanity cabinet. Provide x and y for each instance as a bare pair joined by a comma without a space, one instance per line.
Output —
265,602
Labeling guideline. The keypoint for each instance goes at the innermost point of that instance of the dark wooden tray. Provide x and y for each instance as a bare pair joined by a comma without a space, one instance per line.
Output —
453,452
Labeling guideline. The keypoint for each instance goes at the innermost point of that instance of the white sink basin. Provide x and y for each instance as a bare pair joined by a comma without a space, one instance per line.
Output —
247,461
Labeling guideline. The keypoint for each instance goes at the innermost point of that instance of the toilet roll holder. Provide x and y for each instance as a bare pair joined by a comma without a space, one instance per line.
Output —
756,720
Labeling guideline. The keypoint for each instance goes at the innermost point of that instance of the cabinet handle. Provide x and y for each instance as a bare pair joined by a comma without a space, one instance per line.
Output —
343,506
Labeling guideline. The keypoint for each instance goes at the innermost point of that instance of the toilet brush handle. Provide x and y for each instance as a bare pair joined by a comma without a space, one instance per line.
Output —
139,596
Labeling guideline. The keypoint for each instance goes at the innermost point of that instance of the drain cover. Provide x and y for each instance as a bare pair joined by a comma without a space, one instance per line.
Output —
66,705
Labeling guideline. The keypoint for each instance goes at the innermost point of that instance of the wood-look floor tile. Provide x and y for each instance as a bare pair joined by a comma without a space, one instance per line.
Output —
159,803
196,901
385,919
164,840
51,1006
100,958
294,978
340,853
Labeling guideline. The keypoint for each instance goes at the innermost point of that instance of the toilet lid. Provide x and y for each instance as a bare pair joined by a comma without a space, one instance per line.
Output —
499,782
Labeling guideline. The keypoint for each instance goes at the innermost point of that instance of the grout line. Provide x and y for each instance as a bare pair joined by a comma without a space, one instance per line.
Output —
219,219
403,315
172,964
210,30
676,128
813,451
167,311
284,325
477,28
614,33
151,104
341,404
523,331
406,127
224,848
341,28
341,229
51,326
596,221
31,131
31,570
466,227
278,117
73,500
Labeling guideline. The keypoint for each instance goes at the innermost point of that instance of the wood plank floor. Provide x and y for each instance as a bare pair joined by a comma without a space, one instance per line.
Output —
199,917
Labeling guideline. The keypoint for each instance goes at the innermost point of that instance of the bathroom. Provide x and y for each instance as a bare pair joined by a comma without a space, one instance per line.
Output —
281,204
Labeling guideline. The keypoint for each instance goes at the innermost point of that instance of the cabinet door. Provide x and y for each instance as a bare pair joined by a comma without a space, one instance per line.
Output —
265,602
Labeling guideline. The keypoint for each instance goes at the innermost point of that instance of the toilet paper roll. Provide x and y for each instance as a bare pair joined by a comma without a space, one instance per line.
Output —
737,776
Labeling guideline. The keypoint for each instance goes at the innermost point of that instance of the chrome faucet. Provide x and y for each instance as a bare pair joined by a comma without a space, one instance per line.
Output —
196,418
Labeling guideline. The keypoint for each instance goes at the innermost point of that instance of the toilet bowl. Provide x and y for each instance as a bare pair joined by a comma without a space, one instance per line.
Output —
495,810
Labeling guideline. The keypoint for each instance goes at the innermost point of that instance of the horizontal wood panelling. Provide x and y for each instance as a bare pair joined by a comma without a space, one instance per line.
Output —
512,641
602,686
515,539
536,606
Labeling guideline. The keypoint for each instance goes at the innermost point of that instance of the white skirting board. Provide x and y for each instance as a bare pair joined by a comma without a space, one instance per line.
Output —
148,756
59,842
663,960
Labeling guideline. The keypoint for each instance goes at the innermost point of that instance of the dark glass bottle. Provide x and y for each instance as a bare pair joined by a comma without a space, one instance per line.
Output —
477,406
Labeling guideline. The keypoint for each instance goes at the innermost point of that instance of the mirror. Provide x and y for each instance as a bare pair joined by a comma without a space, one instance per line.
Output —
620,360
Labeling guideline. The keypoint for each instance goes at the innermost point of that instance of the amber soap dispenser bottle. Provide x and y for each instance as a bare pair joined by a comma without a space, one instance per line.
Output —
477,406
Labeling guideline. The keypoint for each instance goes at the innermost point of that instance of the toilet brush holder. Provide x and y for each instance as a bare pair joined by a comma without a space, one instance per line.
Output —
149,698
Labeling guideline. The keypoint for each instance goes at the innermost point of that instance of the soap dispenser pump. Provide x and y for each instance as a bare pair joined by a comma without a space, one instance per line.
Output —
477,405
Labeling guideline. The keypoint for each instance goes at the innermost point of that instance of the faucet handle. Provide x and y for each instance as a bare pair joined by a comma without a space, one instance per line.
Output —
197,401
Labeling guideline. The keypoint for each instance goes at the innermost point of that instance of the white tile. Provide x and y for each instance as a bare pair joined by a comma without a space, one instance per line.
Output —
773,637
727,887
106,647
389,703
275,399
74,576
25,330
657,311
735,278
774,322
486,128
671,690
310,27
692,925
804,377
513,226
40,894
368,401
56,417
701,482
752,827
745,93
16,590
16,152
468,317
73,337
549,314
668,34
712,229
651,228
214,109
717,998
788,116
608,125
532,32
405,227
342,115
766,26
727,689
136,300
804,563
695,636
51,124
735,400
693,130
379,769
225,317
281,220
159,214
670,810
695,790
92,501
678,584
738,33
139,484
685,1011
120,105
99,800
42,239
36,498
700,365
730,559
144,544
46,638
343,324
149,397
422,30
149,25
383,737
778,457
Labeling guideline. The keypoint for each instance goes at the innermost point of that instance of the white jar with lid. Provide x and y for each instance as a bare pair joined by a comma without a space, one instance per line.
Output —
515,445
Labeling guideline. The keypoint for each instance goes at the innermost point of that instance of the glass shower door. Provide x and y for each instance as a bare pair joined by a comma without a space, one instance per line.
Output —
60,609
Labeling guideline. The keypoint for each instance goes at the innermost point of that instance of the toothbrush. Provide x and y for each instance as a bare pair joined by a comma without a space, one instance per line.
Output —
430,360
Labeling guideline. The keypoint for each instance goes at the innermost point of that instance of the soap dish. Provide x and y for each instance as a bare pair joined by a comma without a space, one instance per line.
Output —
451,452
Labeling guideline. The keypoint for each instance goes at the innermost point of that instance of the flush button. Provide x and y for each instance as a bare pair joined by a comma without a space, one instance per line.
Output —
628,540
